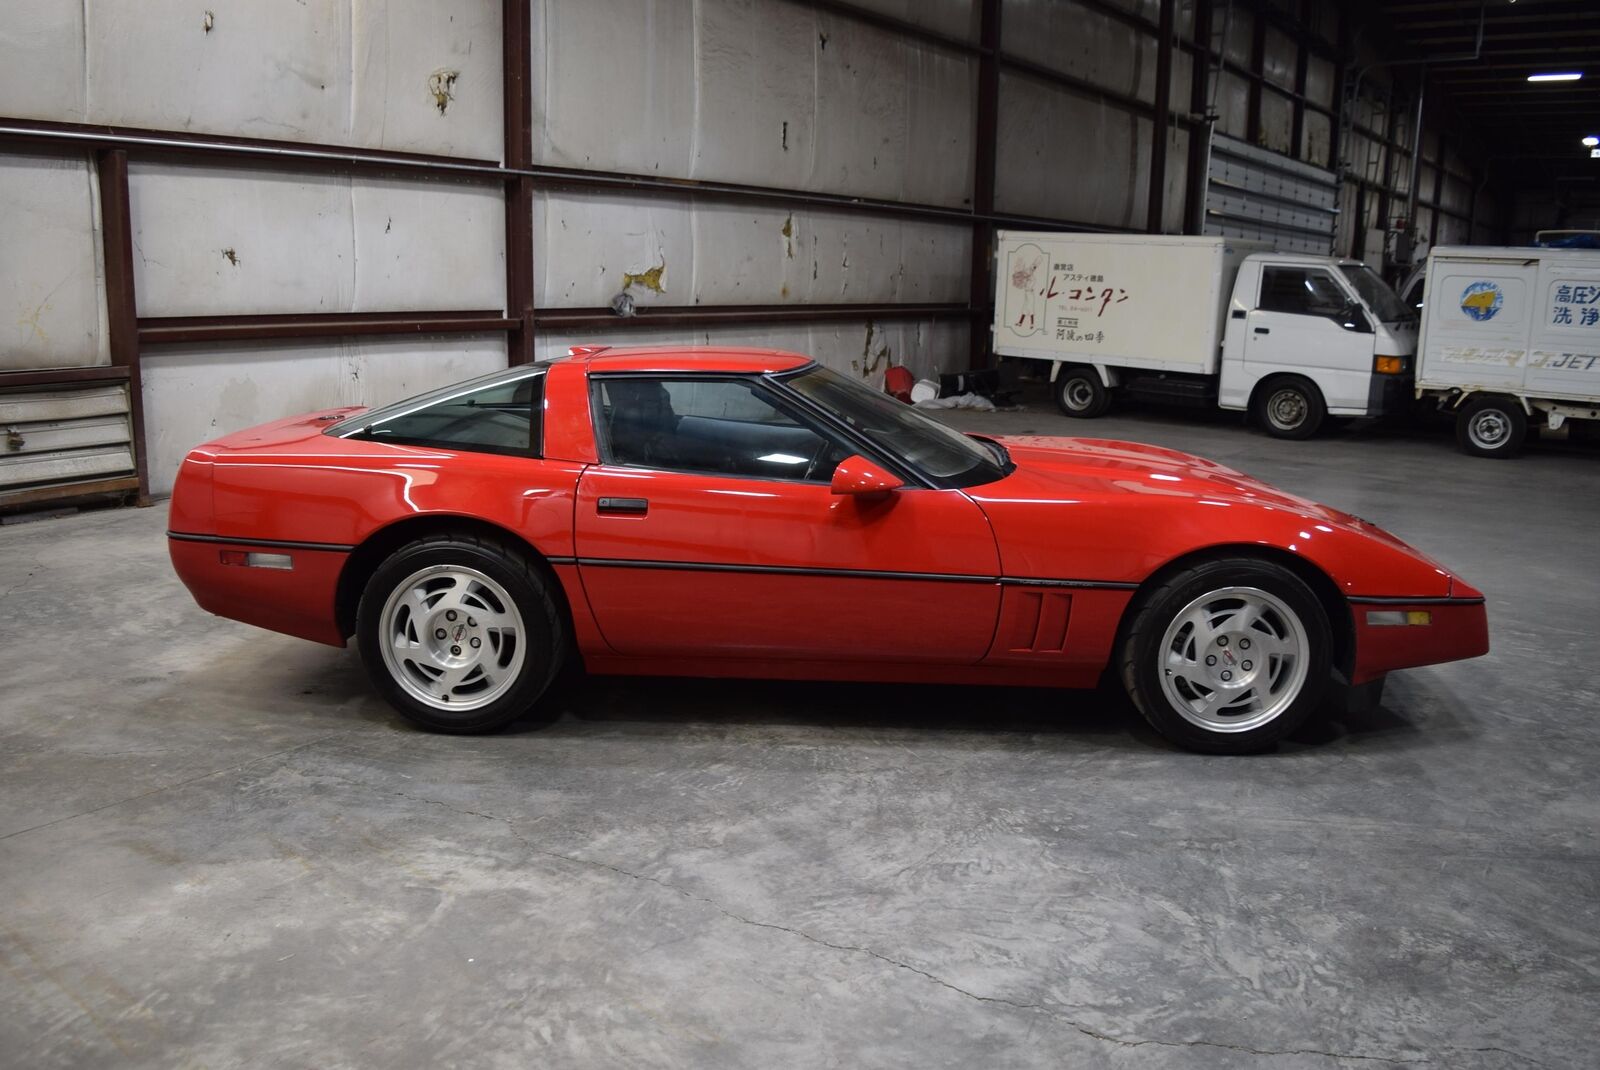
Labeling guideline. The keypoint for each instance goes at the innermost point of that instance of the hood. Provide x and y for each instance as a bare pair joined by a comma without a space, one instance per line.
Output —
1131,508
1076,468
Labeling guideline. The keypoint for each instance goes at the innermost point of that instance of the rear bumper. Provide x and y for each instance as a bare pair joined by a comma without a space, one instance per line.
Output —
1458,628
296,601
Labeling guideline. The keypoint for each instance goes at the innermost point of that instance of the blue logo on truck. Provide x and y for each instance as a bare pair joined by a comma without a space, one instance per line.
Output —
1481,300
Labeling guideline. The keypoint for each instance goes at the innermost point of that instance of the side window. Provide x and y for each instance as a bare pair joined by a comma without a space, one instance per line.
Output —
1302,291
504,417
721,426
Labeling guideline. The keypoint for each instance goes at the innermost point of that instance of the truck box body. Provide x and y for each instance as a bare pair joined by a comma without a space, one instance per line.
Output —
1131,301
1523,322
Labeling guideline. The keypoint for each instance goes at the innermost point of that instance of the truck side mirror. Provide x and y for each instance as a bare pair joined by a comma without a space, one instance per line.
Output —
1354,318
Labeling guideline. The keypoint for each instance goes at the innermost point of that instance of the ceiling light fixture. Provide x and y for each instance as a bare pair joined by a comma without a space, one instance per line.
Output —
1591,141
1560,76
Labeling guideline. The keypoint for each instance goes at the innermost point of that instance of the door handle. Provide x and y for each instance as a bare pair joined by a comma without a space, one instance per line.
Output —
1263,330
623,506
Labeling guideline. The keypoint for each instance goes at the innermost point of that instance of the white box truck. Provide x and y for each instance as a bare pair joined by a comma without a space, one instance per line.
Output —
1511,336
1289,337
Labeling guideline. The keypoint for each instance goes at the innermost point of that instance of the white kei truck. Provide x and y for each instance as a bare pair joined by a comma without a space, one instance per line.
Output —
1290,338
1511,338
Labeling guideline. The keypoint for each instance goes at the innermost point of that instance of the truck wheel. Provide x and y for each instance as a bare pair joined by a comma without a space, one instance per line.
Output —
1489,426
1289,408
1080,393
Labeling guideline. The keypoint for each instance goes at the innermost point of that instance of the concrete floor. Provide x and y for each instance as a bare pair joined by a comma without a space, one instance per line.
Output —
218,848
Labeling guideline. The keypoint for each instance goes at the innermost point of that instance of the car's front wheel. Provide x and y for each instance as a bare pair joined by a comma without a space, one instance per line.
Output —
460,634
1228,656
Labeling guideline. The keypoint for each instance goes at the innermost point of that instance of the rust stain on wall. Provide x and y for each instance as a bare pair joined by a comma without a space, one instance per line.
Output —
788,236
650,279
442,84
231,256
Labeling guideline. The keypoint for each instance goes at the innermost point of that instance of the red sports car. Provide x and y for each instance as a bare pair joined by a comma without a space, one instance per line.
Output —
740,512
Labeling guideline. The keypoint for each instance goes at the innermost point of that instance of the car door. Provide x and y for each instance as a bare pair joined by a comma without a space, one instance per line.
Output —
1298,325
709,528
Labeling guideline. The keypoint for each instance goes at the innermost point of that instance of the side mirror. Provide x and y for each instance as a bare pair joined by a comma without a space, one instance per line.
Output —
861,478
1354,318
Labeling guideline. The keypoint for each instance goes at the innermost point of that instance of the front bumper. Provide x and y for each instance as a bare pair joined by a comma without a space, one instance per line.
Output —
1390,395
1457,628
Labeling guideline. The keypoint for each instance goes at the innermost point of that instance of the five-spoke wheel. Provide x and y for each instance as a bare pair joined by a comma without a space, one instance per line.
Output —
461,634
1227,656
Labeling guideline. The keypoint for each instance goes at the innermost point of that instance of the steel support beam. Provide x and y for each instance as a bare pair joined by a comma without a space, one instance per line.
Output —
1258,60
986,134
1156,207
122,314
1198,176
516,63
696,316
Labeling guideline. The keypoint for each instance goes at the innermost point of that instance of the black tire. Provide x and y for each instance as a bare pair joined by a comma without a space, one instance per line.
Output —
1491,426
1289,406
1166,697
539,631
1079,393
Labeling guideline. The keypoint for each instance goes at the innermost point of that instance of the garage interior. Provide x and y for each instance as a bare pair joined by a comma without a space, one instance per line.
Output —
219,848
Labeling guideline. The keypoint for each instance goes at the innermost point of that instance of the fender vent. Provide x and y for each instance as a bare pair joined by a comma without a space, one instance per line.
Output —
1036,622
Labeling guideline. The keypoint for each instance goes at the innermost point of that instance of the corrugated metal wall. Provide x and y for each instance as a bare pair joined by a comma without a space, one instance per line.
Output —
325,202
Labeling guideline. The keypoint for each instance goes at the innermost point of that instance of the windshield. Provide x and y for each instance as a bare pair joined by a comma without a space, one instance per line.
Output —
947,455
1375,292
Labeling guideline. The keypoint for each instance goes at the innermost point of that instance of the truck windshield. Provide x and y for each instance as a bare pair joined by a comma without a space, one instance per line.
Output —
1375,292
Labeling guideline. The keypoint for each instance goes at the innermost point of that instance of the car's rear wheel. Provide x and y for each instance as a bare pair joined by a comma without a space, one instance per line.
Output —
460,634
1227,657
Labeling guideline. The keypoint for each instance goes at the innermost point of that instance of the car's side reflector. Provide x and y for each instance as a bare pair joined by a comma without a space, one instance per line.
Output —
254,560
1401,617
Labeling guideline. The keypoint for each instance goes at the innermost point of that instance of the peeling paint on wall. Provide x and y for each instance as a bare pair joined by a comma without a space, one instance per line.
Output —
788,237
442,84
870,362
650,279
231,256
209,21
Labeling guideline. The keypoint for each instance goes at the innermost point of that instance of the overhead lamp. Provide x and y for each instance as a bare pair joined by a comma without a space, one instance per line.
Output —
1591,141
1557,76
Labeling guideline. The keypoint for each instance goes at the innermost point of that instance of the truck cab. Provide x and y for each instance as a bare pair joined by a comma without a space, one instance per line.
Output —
1314,336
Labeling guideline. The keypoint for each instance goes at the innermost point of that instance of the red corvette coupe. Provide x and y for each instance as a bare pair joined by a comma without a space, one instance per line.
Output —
737,512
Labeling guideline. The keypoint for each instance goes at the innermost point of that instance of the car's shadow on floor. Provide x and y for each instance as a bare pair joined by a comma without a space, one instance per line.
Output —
1416,711
1096,719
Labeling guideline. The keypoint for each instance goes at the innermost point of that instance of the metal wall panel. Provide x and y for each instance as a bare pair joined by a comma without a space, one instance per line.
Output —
52,302
1087,44
758,91
41,60
638,115
215,241
196,393
592,246
1064,154
389,74
954,18
1253,193
427,77
273,70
